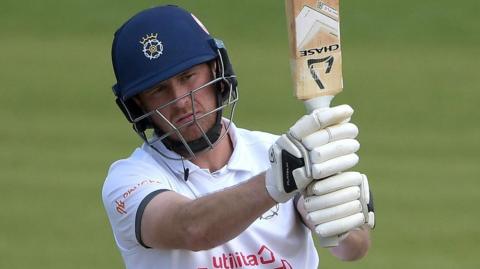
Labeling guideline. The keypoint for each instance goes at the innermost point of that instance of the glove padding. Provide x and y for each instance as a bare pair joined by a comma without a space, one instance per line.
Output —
317,146
339,204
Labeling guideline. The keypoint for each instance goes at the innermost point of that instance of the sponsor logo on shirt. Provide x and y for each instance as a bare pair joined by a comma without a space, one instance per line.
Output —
120,203
120,207
264,258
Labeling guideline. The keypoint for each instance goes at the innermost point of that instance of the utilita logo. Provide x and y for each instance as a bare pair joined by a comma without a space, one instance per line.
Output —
264,258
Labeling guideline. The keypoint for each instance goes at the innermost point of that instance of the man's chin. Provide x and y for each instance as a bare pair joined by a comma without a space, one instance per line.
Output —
193,132
190,132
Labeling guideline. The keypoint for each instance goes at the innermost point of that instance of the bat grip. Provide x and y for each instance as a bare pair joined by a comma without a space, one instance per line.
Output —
310,105
318,102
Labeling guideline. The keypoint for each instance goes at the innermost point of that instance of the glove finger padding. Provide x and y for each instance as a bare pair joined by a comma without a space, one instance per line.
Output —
333,166
334,212
334,183
313,203
333,150
319,119
339,204
330,134
340,226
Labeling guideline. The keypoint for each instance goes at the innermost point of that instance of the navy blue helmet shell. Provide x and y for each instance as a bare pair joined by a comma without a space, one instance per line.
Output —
156,44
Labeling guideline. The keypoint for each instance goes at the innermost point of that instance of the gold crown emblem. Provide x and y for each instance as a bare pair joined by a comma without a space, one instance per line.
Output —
147,38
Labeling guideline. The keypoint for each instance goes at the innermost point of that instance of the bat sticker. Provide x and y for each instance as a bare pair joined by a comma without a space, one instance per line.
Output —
311,62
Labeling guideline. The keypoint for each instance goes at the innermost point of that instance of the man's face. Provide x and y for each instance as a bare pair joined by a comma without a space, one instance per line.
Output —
181,112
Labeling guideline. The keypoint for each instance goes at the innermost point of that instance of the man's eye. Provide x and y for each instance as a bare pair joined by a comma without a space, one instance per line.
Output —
187,76
157,90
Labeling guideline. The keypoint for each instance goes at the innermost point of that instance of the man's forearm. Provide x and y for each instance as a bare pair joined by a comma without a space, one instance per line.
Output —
217,218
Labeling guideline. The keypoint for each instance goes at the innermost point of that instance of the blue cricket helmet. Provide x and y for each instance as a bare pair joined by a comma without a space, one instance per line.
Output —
156,44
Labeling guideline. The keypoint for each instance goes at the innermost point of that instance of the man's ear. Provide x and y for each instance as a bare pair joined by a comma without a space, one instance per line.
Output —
213,67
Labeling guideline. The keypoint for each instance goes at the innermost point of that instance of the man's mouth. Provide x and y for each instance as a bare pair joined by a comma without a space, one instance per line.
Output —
185,118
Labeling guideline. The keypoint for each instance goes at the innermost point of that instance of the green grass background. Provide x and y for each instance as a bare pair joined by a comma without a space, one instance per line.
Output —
411,71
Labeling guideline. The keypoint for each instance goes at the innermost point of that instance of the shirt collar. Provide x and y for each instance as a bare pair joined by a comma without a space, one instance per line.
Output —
239,159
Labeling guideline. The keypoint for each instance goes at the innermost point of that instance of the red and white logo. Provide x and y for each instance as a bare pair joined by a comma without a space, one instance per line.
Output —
264,258
120,205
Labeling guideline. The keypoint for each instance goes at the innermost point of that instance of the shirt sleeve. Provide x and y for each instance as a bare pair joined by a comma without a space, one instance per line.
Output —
126,192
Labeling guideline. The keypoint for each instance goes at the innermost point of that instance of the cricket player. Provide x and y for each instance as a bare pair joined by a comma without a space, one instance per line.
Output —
201,192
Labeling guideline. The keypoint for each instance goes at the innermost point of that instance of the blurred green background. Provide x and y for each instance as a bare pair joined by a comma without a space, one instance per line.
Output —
411,71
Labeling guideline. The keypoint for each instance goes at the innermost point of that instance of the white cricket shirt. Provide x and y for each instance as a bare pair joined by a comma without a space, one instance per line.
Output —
277,239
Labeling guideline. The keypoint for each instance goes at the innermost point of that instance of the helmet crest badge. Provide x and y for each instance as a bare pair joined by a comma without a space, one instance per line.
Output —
152,48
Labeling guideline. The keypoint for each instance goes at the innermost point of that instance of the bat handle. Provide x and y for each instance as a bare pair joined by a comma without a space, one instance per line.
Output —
310,105
318,102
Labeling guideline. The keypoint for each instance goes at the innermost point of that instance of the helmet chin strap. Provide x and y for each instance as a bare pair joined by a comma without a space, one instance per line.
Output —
200,143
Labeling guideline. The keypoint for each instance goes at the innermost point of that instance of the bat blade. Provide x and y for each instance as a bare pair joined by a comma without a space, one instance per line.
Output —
315,57
315,51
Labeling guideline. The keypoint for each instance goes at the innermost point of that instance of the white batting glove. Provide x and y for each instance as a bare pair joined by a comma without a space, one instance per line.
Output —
317,146
339,204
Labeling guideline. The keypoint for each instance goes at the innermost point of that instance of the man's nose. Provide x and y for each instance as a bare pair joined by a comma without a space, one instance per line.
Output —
182,95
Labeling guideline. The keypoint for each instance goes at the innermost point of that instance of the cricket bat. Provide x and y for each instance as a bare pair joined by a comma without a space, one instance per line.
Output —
315,56
315,52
